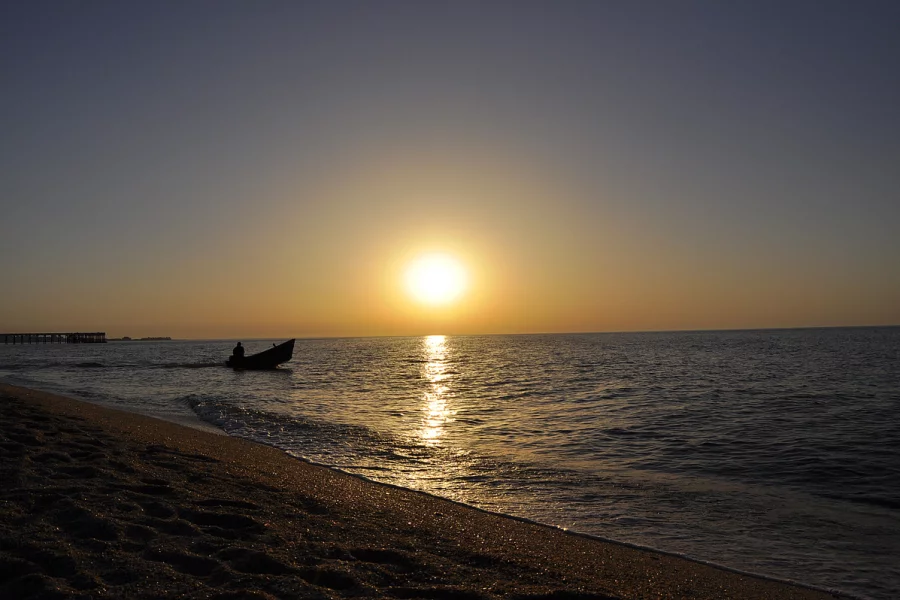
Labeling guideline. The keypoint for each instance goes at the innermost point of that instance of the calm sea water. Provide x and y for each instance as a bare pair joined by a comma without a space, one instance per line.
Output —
773,452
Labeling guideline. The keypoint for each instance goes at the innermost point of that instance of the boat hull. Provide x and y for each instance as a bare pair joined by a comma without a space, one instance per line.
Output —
267,359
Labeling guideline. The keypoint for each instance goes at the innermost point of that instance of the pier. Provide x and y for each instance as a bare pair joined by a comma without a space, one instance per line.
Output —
96,337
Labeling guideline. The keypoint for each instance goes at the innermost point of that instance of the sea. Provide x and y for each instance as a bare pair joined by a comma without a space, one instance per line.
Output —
773,452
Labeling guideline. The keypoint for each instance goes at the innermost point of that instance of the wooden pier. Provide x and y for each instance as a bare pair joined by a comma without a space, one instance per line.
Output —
96,337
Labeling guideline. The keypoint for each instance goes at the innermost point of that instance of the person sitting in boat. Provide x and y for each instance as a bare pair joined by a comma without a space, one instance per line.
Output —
238,352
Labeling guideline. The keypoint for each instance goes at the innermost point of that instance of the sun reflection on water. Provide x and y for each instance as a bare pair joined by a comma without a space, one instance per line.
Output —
436,412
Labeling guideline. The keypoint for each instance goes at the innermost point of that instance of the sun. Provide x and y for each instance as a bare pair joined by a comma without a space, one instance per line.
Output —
436,279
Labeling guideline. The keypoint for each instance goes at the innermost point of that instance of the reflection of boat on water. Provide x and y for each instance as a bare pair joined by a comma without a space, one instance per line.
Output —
267,359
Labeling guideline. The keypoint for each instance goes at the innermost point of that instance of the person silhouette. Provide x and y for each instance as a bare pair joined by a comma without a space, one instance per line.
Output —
238,351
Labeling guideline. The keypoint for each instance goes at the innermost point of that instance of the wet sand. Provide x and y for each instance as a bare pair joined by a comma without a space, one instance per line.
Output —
99,503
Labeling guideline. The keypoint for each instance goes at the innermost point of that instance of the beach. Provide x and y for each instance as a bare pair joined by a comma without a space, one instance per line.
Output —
100,503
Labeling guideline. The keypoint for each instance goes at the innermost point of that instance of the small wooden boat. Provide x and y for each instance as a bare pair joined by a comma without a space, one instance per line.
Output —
267,359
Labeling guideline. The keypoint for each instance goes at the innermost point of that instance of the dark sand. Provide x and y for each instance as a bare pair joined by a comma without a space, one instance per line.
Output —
97,503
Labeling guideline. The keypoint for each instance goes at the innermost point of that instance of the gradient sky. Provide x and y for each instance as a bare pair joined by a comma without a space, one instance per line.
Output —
223,169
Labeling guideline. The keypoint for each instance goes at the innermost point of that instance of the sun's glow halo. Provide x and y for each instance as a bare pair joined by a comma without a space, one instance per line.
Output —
436,279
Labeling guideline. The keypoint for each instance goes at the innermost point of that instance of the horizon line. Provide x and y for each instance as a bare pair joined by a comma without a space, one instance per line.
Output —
608,332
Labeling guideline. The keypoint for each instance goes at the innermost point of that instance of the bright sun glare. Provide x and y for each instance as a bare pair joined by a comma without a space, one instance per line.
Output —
436,279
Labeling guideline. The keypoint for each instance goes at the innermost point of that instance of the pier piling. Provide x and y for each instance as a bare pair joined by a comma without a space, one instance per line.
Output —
94,337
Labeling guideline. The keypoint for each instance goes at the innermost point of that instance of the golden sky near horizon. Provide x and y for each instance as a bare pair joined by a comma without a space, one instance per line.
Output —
528,268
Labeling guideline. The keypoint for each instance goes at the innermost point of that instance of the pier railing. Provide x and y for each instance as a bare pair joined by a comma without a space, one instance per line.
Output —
95,337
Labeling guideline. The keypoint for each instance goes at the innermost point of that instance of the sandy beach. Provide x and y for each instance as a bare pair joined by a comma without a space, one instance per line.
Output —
98,503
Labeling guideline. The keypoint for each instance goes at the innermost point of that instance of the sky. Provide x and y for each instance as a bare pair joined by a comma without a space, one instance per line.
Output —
217,169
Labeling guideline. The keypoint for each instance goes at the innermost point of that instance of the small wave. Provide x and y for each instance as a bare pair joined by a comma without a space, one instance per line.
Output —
889,503
202,365
89,395
620,431
46,365
355,467
89,365
515,395
629,520
499,383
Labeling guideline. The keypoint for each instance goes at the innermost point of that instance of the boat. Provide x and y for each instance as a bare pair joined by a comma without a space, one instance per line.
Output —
267,359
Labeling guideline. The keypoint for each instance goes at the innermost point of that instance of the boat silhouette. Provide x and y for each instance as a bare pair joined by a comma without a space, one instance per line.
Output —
267,359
